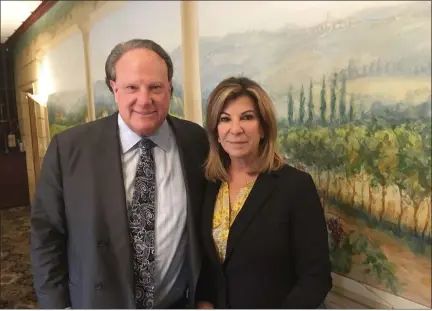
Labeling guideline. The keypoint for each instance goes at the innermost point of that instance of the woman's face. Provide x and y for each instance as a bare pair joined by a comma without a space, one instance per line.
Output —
239,129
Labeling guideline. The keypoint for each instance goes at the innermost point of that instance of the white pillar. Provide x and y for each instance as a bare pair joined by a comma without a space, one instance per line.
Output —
85,31
190,51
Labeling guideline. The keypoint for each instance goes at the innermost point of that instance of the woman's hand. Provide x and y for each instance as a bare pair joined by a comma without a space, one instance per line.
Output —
205,305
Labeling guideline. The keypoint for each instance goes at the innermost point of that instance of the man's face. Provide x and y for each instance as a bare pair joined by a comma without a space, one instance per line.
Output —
142,90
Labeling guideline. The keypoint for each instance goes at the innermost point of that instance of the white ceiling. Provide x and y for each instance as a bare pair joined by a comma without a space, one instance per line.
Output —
13,14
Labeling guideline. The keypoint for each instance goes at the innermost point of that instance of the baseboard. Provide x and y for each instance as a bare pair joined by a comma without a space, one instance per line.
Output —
351,294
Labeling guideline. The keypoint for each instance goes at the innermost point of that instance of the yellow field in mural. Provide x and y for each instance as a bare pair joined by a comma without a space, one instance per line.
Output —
352,86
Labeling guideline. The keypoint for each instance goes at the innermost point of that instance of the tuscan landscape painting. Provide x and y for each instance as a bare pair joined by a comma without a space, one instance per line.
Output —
351,82
352,85
67,97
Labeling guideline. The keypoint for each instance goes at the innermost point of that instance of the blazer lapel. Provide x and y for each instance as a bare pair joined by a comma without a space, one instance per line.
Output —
208,212
111,198
264,186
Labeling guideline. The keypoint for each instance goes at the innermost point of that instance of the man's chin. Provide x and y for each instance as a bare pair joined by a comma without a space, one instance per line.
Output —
149,129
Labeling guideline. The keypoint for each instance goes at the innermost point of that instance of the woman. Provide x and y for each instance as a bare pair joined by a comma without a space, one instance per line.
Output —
263,227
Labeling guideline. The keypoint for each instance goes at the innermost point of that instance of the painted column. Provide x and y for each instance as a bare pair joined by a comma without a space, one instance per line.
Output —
85,31
190,51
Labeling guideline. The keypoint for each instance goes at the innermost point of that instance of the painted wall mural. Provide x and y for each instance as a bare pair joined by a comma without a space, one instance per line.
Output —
67,94
352,85
155,20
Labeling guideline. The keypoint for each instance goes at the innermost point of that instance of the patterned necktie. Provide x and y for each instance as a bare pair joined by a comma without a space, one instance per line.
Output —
142,227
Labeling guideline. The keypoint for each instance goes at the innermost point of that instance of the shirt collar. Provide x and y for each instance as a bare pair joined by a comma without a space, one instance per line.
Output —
129,138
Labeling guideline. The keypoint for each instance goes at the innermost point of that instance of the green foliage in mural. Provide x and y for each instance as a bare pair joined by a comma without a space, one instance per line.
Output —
323,104
310,104
302,101
344,245
290,107
66,110
355,160
333,91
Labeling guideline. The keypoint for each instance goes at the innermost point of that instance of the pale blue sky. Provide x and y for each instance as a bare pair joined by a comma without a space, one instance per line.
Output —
156,20
160,21
217,18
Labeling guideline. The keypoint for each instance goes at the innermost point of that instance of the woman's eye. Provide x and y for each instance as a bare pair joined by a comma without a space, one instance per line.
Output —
248,117
224,119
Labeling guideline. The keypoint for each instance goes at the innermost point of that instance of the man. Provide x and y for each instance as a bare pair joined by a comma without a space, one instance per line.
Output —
114,215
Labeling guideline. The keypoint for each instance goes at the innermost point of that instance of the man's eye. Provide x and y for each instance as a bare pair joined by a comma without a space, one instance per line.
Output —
131,87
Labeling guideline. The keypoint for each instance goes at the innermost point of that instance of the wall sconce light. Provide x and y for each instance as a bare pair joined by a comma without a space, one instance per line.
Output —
39,98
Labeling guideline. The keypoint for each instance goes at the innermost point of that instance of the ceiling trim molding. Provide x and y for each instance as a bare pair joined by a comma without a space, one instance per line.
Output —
35,15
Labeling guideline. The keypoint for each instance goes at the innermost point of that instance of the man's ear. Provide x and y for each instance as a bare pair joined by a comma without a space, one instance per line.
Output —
114,89
171,89
113,86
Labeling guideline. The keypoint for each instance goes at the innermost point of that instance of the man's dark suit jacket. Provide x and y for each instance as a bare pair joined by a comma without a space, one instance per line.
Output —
277,251
80,247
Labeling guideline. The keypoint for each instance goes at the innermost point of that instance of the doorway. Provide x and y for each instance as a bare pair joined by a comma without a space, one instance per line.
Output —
34,135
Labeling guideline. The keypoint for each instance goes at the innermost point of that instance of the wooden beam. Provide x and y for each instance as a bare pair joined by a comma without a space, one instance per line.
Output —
34,16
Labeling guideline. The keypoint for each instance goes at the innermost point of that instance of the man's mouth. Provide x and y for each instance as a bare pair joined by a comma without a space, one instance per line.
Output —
145,113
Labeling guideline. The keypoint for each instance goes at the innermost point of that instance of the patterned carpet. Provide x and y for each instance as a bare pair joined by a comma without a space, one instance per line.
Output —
16,287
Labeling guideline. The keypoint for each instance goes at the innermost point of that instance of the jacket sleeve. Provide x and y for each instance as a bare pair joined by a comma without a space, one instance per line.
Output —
48,235
309,246
206,286
206,289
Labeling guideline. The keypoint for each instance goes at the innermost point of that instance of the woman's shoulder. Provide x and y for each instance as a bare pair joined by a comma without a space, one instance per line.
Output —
290,172
288,169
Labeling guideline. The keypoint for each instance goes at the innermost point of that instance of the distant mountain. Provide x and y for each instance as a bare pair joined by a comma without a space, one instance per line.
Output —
419,8
69,102
294,55
102,94
103,99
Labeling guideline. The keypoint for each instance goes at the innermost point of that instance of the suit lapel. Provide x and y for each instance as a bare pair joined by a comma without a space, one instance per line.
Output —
264,186
208,212
111,198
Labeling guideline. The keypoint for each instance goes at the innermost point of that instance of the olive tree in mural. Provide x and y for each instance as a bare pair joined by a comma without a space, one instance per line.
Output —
353,97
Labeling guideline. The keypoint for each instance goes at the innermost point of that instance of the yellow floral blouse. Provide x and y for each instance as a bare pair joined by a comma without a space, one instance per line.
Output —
223,218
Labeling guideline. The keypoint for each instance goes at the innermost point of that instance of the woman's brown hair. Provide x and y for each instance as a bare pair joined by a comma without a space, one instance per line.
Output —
230,89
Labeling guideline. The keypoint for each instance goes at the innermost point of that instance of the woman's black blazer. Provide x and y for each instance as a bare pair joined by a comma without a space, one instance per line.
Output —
277,251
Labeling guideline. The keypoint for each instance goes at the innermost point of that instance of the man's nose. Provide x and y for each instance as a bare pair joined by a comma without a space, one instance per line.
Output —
144,96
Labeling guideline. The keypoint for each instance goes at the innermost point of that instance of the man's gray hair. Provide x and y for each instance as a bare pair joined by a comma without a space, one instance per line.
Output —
120,49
